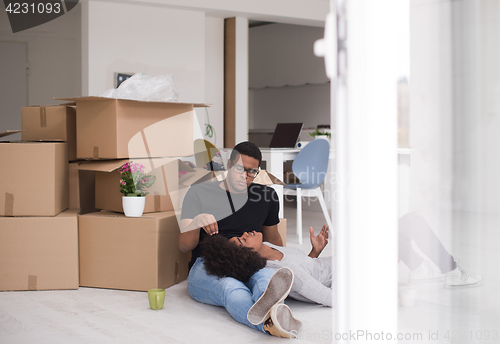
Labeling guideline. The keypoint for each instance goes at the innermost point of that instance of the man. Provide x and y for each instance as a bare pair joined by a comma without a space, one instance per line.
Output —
230,208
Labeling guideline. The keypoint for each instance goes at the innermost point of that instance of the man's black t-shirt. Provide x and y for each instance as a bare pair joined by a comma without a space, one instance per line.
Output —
235,213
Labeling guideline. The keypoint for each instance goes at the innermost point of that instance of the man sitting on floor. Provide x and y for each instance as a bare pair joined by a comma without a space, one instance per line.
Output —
230,208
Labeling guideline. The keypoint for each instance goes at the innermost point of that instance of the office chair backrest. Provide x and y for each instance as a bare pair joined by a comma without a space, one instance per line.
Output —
311,164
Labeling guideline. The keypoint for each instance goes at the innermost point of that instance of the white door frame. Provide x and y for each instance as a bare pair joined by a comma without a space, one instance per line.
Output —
364,106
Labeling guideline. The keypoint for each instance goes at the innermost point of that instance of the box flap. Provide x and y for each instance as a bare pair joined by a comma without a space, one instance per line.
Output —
97,98
266,178
183,167
154,163
101,165
9,132
191,178
107,213
111,165
51,105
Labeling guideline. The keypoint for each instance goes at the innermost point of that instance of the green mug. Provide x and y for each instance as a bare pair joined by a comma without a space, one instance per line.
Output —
156,298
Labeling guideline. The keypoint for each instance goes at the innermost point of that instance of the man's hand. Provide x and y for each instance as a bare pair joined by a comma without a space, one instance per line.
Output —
190,230
207,222
318,242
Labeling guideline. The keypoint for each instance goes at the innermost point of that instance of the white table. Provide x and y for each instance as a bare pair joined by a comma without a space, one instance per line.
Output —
275,157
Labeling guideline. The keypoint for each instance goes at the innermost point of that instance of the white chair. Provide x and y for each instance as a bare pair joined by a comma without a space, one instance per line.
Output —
310,166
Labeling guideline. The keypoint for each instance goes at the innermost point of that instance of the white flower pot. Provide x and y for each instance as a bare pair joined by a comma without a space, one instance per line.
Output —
133,206
324,137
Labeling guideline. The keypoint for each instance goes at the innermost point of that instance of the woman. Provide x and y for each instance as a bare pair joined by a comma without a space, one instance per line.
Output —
313,275
238,257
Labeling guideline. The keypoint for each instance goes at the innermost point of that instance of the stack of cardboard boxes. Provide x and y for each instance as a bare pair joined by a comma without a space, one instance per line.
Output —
38,235
70,158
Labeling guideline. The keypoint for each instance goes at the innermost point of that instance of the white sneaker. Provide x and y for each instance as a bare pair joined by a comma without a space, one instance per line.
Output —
281,322
458,278
277,290
426,273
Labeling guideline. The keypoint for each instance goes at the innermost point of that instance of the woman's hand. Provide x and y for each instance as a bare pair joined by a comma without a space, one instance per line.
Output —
318,242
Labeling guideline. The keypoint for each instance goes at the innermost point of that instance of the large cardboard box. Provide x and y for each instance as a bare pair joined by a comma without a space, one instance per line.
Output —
56,122
173,177
120,252
109,128
282,230
39,253
34,178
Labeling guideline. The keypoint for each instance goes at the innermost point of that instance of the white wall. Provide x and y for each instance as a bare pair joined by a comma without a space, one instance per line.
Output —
241,80
476,101
431,112
282,55
309,104
455,119
301,12
155,40
214,79
78,53
54,55
454,109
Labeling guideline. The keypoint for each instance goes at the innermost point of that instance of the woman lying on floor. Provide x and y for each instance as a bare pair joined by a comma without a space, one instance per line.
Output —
240,257
313,275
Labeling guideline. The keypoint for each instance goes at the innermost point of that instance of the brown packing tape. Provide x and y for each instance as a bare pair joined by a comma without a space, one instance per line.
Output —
145,143
95,155
176,272
157,203
9,204
43,117
32,282
164,176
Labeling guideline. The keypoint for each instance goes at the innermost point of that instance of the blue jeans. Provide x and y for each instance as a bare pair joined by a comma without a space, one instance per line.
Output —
237,297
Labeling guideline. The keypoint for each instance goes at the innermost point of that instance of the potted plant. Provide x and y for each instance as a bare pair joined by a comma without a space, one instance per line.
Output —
133,183
320,134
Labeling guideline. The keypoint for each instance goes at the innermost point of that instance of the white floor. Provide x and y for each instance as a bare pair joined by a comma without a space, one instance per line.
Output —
469,315
90,315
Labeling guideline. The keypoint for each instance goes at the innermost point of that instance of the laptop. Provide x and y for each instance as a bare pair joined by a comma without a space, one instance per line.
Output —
286,135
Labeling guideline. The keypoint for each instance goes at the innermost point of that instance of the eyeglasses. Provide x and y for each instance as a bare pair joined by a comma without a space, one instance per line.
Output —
251,172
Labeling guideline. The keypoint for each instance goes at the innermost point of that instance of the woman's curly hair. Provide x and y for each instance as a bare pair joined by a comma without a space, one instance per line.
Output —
223,258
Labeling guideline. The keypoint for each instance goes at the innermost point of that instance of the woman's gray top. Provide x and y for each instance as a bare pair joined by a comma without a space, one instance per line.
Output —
313,276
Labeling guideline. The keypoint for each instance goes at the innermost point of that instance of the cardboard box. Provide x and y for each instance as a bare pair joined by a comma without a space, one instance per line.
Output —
282,230
39,253
109,128
173,177
130,253
56,122
34,179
